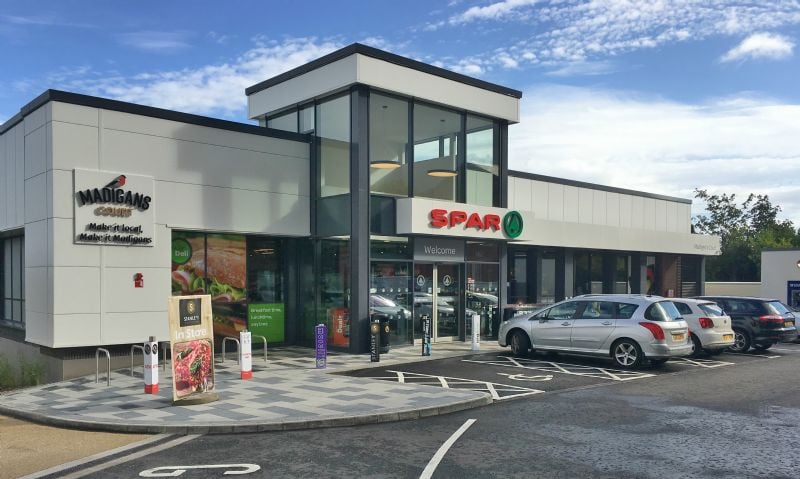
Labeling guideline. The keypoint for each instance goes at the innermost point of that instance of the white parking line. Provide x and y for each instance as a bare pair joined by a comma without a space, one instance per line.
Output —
565,368
494,389
703,363
753,355
784,349
427,473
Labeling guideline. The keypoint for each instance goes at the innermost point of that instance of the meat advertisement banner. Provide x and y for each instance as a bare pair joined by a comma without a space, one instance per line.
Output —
192,345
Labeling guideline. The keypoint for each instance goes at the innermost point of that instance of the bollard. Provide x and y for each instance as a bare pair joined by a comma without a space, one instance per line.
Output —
426,334
321,342
374,340
151,366
245,354
476,332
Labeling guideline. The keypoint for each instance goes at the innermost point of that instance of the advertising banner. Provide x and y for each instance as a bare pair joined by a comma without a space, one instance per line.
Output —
267,319
192,345
340,326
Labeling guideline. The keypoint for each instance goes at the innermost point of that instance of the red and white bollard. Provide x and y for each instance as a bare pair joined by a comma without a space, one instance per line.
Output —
151,366
245,354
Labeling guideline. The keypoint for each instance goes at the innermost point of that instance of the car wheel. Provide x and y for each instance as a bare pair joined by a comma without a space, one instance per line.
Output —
697,346
762,347
741,341
626,354
519,343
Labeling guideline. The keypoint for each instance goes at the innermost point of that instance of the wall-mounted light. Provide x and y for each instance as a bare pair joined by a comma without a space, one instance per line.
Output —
442,173
385,165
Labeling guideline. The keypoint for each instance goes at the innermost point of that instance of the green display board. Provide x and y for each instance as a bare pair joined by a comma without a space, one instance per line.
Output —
266,319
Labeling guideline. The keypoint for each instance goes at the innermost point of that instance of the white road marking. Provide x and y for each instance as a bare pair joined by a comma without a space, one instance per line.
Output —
130,457
494,389
427,473
784,349
95,457
174,471
703,363
753,355
565,368
522,377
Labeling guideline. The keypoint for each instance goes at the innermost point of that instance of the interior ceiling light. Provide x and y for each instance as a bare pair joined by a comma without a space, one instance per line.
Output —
386,165
441,173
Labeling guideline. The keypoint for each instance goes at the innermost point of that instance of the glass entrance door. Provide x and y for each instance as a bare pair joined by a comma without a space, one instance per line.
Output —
437,293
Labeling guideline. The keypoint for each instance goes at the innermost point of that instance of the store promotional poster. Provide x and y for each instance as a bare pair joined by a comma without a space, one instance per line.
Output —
192,346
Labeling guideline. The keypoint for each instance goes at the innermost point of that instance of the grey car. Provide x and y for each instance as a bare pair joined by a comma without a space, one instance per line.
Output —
627,328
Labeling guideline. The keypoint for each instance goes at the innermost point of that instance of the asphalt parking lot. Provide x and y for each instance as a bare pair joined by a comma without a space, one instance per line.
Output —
507,377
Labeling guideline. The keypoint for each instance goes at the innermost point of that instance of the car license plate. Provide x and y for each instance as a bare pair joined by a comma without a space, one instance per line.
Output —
727,337
678,337
788,324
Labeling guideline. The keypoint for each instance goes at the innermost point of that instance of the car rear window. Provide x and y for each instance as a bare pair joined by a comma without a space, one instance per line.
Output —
683,308
711,309
625,310
776,307
662,311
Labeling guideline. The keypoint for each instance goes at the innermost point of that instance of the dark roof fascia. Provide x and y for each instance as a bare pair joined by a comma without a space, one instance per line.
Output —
584,184
387,57
133,108
780,249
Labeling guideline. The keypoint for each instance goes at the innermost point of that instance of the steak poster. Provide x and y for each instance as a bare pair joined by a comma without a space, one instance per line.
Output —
192,345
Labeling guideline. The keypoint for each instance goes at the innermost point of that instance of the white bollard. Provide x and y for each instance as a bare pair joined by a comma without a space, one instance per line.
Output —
151,366
245,354
476,332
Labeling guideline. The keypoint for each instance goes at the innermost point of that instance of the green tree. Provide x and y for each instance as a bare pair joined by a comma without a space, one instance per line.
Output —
745,230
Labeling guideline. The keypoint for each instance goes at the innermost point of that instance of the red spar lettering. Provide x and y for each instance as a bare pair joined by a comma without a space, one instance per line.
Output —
457,217
438,218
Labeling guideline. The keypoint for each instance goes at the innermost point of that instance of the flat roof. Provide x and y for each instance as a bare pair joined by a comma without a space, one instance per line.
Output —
153,112
387,57
594,186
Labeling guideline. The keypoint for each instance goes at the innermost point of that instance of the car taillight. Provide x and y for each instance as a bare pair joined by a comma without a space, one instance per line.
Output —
706,323
658,333
771,318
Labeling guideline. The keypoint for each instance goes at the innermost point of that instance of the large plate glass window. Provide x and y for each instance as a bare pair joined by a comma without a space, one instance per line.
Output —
12,281
483,166
436,133
333,131
284,121
388,140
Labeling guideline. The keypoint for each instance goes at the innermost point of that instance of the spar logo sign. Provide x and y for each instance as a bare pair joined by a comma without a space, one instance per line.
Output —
511,224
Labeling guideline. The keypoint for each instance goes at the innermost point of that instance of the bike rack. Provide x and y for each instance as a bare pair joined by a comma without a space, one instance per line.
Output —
263,338
134,347
97,366
163,350
224,346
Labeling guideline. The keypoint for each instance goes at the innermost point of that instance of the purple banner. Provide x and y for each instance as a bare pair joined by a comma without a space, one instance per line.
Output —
321,341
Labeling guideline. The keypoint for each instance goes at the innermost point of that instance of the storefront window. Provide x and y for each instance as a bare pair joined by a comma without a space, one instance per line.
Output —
12,281
388,138
483,168
333,130
307,119
285,121
391,297
334,290
520,290
266,308
436,133
483,284
622,275
548,287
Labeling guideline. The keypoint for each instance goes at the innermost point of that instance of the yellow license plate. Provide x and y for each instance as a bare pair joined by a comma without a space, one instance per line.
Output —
727,337
678,337
788,324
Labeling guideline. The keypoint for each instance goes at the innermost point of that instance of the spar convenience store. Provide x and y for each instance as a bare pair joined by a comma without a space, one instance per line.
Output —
372,184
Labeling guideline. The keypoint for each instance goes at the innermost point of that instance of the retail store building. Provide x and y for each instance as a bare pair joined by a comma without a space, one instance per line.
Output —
373,184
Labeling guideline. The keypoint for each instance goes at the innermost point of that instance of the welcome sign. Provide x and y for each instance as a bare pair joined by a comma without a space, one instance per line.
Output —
192,345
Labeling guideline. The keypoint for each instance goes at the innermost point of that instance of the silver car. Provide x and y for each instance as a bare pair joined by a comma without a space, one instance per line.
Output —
711,329
627,328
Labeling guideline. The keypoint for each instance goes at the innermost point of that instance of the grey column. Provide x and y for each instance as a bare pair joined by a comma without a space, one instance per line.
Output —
359,207
702,279
569,273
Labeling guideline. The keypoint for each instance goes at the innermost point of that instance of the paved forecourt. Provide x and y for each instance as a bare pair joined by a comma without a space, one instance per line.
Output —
286,392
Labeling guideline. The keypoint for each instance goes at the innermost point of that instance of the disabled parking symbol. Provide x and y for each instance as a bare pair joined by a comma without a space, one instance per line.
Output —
525,377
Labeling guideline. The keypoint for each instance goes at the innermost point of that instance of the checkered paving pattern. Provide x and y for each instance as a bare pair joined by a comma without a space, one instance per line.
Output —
286,392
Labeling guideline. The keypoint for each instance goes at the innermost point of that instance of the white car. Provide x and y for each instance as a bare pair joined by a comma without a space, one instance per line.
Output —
711,329
627,328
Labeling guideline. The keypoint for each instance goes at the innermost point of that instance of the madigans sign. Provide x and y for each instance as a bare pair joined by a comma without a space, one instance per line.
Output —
113,208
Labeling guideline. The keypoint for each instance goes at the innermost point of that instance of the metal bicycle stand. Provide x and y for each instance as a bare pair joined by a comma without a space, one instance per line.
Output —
224,347
97,366
134,347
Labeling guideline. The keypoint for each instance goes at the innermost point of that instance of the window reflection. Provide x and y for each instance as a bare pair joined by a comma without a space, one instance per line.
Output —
483,168
388,137
436,133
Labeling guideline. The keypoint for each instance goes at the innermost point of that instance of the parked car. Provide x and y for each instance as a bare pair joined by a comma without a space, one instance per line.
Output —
710,329
627,328
757,322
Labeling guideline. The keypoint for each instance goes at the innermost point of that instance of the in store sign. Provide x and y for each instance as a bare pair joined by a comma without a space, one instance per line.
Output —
113,208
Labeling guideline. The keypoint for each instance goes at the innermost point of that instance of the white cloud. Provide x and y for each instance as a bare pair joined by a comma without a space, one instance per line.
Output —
760,45
206,90
583,68
494,11
736,145
160,42
559,33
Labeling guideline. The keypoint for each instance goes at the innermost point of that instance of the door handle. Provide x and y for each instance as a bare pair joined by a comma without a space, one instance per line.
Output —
566,323
606,323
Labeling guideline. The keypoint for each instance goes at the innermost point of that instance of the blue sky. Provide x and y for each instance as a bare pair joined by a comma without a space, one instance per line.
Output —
661,96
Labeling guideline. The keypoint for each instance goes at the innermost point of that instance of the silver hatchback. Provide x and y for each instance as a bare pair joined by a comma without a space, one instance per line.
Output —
628,328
